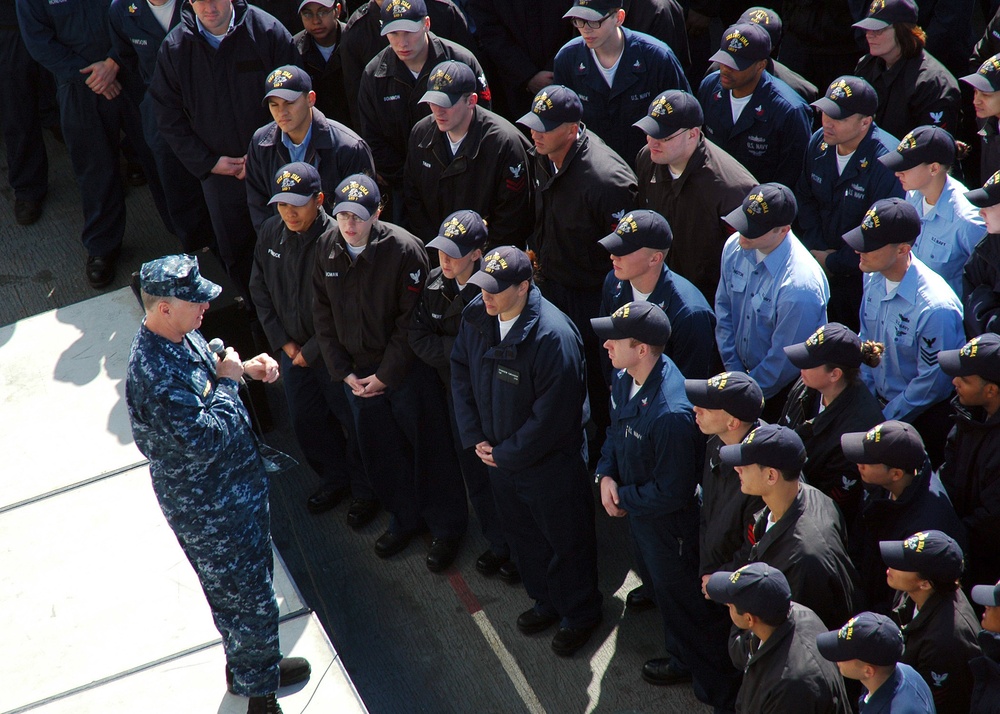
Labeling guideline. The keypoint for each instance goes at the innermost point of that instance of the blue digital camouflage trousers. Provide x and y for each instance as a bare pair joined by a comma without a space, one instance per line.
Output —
230,550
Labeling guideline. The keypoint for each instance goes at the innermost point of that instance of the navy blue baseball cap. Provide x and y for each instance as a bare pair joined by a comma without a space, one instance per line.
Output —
357,194
736,393
882,13
888,221
670,112
503,267
641,228
448,82
988,195
639,320
768,445
177,276
869,637
924,145
742,45
552,107
980,356
756,588
987,77
460,234
296,184
988,595
593,9
769,206
287,82
832,343
846,96
895,444
766,18
403,16
933,554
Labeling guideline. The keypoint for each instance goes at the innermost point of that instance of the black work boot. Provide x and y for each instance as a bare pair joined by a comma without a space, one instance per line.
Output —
268,704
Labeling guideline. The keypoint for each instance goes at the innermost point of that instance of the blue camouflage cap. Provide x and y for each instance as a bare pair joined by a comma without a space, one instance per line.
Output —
177,276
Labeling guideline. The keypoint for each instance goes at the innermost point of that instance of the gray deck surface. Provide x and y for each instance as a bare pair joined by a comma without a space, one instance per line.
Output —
407,640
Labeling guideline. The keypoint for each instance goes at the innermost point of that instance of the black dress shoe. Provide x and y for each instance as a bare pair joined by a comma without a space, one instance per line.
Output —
638,601
292,670
326,498
663,673
361,512
489,563
509,573
268,704
568,640
27,212
134,175
101,269
531,622
389,543
442,553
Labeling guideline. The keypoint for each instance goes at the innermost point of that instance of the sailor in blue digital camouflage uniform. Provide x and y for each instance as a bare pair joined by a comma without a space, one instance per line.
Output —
209,471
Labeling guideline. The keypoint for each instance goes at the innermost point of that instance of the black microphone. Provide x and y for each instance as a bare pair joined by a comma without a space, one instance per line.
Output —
218,348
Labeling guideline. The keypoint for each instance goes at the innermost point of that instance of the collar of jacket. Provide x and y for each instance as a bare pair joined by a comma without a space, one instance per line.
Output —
785,629
844,401
974,419
391,66
322,223
470,144
784,523
904,612
526,321
989,642
305,43
544,164
699,159
631,63
378,234
321,137
650,386
449,286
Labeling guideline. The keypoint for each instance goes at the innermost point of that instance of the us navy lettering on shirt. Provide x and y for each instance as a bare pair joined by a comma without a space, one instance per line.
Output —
855,190
630,432
757,145
902,325
640,97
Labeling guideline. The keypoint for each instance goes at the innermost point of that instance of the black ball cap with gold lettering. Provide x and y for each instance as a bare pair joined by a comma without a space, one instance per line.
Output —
552,107
888,221
846,96
637,320
503,267
892,443
933,554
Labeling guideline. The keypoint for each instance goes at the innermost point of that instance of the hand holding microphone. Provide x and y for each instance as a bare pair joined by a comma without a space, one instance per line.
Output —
229,363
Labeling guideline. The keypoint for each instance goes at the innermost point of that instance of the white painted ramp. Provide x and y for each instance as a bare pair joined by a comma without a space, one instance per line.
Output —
99,609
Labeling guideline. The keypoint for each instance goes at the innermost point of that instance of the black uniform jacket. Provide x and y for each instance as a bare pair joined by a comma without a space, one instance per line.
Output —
576,207
981,288
281,284
939,642
363,307
727,514
389,101
809,545
787,673
971,476
986,671
335,151
855,409
436,321
489,175
327,75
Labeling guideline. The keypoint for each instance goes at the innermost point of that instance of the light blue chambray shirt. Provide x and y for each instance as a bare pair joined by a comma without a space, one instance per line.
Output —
762,307
921,317
297,153
949,232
